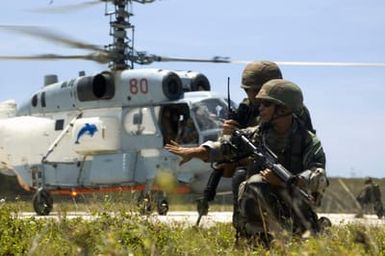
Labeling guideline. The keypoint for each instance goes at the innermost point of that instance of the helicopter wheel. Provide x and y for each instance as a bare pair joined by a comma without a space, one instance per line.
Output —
162,207
145,204
42,202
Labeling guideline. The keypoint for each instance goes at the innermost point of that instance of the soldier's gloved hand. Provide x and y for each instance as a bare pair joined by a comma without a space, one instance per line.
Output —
229,127
270,177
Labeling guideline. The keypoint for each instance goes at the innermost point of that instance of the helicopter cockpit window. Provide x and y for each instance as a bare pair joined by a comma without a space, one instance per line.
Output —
139,121
34,100
176,124
43,100
210,113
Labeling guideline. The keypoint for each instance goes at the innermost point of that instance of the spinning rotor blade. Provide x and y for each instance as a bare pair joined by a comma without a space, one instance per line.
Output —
219,59
143,58
331,64
319,64
100,57
71,7
51,36
68,8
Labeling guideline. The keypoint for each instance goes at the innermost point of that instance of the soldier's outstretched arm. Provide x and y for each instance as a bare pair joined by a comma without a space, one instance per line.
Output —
187,153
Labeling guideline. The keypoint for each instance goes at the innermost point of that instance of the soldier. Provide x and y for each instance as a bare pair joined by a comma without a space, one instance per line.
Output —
370,196
263,196
254,75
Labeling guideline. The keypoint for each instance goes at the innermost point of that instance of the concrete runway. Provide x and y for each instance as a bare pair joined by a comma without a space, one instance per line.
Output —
189,218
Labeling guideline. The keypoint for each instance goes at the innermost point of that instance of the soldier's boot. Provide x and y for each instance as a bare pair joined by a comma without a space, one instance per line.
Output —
379,210
263,239
266,239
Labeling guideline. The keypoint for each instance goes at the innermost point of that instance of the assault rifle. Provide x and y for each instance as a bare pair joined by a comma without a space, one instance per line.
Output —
216,175
306,217
269,160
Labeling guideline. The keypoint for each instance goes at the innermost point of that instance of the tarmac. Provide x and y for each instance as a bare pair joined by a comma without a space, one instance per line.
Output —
189,218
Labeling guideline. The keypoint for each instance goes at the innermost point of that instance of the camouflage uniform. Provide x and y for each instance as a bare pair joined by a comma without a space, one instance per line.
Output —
370,196
300,152
254,76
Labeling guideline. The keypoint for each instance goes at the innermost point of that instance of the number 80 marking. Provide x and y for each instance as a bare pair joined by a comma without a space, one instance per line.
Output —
136,87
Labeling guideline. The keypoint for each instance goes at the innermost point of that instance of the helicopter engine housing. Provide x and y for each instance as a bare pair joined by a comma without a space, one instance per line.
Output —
100,86
147,86
194,81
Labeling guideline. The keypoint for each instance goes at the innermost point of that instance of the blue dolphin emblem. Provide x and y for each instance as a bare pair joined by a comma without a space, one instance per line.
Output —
86,129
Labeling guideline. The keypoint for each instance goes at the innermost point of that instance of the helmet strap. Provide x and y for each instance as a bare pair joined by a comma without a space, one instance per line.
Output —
280,111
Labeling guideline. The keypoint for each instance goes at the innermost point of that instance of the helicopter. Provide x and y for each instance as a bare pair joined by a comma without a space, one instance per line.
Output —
106,131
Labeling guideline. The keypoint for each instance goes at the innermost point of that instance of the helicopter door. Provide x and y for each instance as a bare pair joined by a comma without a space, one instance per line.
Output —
140,129
176,124
141,142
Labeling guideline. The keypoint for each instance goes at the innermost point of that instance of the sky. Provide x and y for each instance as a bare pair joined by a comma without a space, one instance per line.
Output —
346,103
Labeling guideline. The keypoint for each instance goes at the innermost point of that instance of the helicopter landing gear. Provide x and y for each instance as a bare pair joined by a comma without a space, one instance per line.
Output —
144,204
161,203
147,201
162,207
42,202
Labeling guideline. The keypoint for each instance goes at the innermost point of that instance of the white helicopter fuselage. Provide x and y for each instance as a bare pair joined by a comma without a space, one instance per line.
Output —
108,130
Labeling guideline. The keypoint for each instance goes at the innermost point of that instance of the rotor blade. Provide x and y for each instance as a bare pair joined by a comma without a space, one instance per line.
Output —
311,63
216,59
331,64
144,1
71,7
44,33
68,8
219,59
100,57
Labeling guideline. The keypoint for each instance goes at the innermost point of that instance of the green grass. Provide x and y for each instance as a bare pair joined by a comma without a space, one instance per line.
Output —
116,201
131,234
339,197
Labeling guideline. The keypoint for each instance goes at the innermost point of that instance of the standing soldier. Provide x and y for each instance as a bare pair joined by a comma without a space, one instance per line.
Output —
264,198
370,197
254,75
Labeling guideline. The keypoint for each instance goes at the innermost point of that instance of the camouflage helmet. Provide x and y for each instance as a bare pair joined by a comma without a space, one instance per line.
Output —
368,180
257,73
282,92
